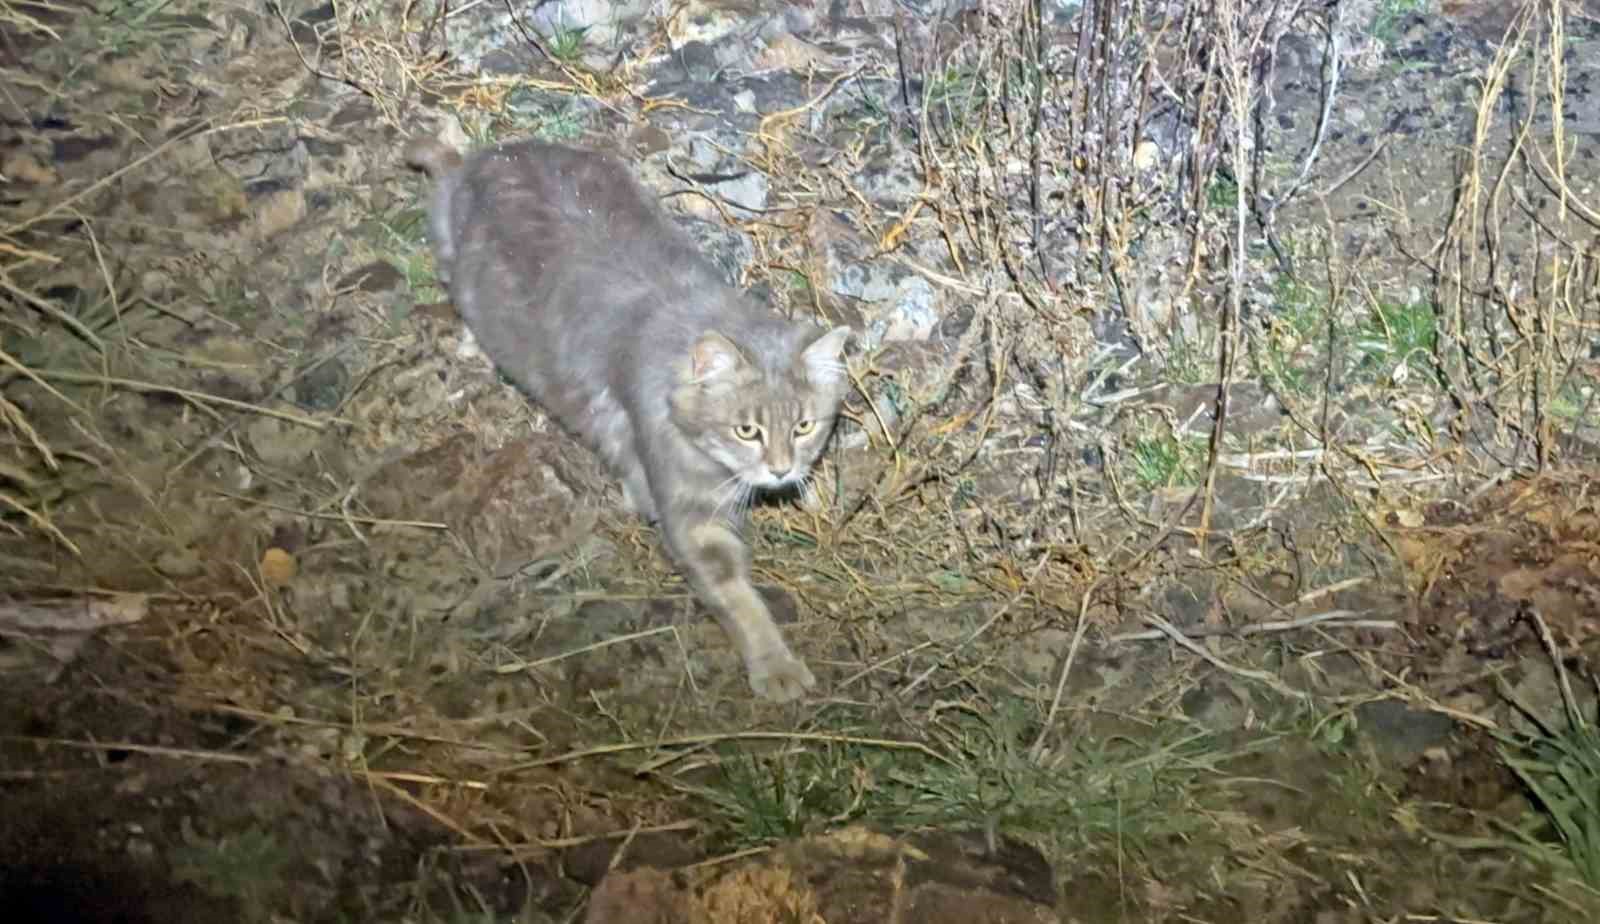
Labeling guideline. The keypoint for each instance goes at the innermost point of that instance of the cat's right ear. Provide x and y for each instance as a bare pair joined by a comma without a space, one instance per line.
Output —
823,358
712,358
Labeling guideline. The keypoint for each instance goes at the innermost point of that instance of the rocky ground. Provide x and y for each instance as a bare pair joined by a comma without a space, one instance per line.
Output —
309,616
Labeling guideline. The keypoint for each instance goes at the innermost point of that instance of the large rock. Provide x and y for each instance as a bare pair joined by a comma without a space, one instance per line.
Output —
854,876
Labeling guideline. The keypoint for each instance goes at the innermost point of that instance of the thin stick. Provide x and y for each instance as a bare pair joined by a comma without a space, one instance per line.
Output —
32,376
518,667
55,312
199,397
1333,619
1171,631
698,740
216,757
427,779
370,521
555,843
40,521
1037,751
425,808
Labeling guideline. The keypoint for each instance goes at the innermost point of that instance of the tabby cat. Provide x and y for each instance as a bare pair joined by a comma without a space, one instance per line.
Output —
587,296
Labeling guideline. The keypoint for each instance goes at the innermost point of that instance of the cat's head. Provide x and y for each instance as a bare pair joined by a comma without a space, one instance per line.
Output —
764,418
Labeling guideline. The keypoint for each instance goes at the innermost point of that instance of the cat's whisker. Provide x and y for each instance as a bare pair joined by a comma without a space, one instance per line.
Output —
806,489
728,495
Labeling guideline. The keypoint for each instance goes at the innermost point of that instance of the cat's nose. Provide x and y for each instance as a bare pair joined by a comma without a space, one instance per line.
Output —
780,473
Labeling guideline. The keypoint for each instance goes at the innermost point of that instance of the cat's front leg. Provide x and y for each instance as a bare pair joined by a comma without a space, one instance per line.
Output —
636,498
717,564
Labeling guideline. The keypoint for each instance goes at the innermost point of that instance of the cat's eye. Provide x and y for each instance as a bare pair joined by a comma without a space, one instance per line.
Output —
804,427
747,432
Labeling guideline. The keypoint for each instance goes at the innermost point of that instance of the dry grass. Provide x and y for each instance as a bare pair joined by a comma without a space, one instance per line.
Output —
996,484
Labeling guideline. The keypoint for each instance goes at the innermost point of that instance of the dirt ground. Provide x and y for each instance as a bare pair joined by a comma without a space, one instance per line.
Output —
306,615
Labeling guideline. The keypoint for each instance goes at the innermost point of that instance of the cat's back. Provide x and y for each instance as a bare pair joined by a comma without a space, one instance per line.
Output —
569,273
557,193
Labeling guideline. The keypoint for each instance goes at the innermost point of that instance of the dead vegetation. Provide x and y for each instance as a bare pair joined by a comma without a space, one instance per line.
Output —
1173,412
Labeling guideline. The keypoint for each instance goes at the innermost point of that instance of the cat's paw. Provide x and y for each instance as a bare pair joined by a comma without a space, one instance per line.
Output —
780,677
636,499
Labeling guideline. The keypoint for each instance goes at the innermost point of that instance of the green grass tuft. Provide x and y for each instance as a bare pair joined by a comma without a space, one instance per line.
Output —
987,780
248,867
1561,770
1165,461
566,44
1399,336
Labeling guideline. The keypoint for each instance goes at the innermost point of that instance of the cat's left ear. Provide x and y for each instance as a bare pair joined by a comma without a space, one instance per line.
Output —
824,357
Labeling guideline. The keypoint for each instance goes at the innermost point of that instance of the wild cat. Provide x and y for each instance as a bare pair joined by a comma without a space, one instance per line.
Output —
587,296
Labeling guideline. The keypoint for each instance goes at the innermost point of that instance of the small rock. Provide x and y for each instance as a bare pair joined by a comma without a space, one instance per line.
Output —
23,168
1216,706
277,211
179,563
1401,733
1145,155
278,443
377,276
322,388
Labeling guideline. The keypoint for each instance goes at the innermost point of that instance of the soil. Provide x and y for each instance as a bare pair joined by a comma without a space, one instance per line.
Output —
317,619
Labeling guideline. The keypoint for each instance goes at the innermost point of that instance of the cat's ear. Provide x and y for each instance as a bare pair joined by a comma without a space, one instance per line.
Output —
824,357
713,357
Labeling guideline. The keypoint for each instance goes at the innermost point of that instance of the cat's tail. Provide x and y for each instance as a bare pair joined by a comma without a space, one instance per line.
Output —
431,156
439,161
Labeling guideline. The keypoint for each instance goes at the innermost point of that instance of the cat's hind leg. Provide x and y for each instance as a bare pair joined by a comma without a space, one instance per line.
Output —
717,564
612,436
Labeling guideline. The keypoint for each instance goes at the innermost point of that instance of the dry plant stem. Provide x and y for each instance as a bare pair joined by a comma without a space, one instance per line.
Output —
1333,187
1026,587
429,810
1458,248
696,741
40,521
1569,702
118,462
275,620
33,377
105,277
56,313
518,667
312,69
375,731
727,858
1333,619
885,662
1238,86
369,521
1170,631
216,757
1275,26
529,849
583,82
76,614
200,399
13,417
1036,752
427,779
